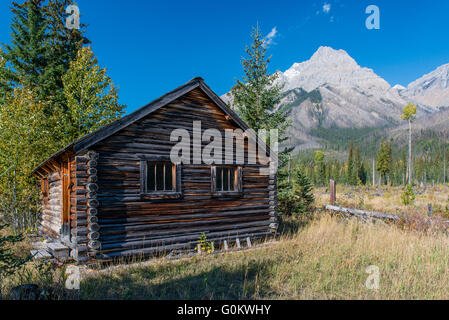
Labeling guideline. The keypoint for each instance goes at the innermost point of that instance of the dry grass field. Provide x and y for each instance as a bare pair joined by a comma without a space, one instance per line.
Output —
388,199
322,257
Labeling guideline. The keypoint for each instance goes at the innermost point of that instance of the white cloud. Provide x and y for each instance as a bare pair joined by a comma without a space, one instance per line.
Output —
269,39
326,7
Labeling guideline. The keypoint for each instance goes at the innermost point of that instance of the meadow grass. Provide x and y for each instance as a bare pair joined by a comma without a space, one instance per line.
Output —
325,260
387,199
319,258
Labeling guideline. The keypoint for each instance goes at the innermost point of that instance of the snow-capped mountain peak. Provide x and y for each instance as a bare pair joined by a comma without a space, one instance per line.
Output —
330,67
398,87
331,90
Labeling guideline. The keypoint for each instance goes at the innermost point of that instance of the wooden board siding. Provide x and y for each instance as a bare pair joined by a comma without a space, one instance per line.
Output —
130,225
51,222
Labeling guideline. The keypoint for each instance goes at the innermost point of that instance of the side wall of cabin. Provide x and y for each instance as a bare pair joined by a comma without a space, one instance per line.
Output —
125,224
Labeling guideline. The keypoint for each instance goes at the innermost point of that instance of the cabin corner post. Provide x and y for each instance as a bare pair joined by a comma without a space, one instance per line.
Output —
272,187
80,210
93,227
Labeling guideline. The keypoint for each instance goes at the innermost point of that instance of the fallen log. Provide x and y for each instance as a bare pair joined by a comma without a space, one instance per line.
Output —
362,213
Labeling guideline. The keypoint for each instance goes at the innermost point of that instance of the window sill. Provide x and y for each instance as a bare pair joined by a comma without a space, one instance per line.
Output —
161,196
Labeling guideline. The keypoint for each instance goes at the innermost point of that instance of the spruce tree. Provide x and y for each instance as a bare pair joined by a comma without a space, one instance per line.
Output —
303,192
384,160
286,193
64,46
297,197
363,174
257,97
357,167
27,53
350,165
5,85
41,48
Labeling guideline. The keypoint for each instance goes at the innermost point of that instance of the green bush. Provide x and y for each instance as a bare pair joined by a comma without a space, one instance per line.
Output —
295,196
408,196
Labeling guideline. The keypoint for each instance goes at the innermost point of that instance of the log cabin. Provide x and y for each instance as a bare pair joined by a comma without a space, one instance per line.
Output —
116,193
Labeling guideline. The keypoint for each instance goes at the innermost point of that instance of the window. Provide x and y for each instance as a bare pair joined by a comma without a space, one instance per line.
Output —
226,180
160,179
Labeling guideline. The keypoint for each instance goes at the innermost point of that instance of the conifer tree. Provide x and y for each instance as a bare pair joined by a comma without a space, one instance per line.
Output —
350,165
360,175
296,197
257,96
384,160
42,47
5,85
64,44
286,193
303,192
363,174
27,53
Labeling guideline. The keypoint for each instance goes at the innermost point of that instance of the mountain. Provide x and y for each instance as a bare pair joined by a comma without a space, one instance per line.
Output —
331,97
432,89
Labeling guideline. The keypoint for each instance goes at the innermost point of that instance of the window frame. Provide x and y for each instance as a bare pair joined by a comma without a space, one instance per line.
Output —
146,194
238,180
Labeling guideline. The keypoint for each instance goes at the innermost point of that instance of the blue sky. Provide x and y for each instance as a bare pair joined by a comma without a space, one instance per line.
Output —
151,47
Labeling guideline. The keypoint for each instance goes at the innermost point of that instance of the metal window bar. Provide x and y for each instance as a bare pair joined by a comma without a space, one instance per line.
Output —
228,180
161,186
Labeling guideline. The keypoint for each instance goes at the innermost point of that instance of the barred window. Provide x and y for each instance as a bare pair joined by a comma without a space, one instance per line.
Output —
226,180
160,179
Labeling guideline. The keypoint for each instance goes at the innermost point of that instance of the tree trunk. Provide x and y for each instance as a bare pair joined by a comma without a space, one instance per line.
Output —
444,164
410,152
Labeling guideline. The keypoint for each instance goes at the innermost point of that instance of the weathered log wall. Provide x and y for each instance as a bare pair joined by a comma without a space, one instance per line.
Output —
130,225
51,222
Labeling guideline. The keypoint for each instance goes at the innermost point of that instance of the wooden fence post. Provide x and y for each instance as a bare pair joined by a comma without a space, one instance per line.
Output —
333,193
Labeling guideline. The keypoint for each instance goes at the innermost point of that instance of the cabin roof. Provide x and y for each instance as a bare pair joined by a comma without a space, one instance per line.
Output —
106,131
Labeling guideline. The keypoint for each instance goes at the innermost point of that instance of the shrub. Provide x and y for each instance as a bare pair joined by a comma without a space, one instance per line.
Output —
205,245
408,196
9,263
295,197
